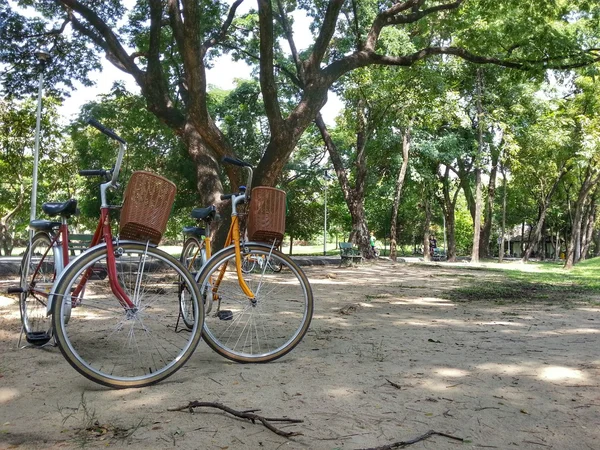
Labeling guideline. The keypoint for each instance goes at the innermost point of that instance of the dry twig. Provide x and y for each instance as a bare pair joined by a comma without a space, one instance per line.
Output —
248,414
402,444
396,385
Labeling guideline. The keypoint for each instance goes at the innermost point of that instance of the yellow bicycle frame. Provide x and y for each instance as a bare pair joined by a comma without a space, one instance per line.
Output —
232,236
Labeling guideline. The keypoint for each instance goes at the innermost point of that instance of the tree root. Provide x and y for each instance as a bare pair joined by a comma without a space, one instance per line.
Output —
248,414
402,444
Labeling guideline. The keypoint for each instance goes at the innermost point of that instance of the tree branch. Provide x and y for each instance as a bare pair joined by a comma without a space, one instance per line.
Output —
293,78
249,414
418,15
325,35
381,21
176,22
290,37
112,43
224,28
53,32
267,75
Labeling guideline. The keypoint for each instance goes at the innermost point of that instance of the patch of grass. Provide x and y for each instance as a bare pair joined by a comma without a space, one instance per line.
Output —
89,428
511,290
582,278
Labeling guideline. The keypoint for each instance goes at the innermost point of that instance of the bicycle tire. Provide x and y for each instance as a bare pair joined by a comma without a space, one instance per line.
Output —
248,264
267,329
37,276
274,265
123,348
193,257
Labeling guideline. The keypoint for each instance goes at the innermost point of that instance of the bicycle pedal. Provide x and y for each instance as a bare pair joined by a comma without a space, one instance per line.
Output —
225,314
38,338
14,290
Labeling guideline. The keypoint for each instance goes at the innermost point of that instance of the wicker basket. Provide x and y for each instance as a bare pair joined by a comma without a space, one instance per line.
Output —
266,219
146,207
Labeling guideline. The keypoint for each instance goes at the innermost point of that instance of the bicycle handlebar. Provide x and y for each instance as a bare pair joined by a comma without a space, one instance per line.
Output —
236,162
244,190
112,183
93,172
110,133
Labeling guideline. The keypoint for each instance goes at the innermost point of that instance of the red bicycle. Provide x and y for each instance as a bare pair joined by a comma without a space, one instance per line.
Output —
114,308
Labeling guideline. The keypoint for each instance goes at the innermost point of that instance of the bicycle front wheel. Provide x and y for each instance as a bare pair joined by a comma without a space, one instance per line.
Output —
264,328
124,347
37,276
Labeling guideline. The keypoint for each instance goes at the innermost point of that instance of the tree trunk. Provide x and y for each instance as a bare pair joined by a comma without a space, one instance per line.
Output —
588,228
449,209
398,191
596,238
355,196
426,235
589,182
522,237
503,230
478,162
6,232
542,216
486,230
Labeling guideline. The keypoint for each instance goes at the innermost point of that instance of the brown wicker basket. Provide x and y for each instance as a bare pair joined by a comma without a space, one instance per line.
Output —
146,207
266,219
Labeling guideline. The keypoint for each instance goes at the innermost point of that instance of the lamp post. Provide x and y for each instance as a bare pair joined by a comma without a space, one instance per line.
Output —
44,59
325,223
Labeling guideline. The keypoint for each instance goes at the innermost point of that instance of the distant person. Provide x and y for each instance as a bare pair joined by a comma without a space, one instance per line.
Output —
372,242
432,244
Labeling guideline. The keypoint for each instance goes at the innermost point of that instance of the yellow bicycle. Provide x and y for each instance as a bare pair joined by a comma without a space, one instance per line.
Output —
256,315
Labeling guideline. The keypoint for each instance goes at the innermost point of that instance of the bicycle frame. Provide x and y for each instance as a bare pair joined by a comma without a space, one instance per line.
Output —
233,238
103,233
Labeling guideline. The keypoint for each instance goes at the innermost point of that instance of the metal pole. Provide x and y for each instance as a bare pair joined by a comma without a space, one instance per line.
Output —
36,149
325,225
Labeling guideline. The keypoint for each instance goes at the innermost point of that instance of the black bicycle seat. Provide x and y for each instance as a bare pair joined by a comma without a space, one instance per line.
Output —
207,213
66,209
194,231
43,225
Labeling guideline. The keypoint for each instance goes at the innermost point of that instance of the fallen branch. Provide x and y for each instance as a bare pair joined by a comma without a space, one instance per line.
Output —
248,414
402,444
396,385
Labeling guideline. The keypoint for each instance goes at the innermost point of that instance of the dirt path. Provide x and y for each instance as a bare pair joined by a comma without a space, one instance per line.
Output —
393,352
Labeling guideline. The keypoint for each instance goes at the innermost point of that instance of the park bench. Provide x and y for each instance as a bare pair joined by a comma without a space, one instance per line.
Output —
438,255
349,253
79,242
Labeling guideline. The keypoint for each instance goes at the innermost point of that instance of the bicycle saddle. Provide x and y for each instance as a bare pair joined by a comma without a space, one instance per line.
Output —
66,209
43,225
195,231
207,213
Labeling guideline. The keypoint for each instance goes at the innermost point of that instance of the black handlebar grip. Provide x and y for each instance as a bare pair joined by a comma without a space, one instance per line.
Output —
226,196
92,172
106,131
235,162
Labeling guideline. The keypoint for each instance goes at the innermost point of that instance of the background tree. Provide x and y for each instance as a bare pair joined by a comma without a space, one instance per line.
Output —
166,48
17,122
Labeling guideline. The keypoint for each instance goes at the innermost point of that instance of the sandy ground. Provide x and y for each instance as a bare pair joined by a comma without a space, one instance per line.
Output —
394,351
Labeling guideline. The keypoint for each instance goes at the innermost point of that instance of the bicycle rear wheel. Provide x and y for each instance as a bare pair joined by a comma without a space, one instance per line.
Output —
248,263
120,347
193,257
263,329
37,276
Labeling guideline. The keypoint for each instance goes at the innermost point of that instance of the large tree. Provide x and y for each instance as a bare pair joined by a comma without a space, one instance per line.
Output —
167,46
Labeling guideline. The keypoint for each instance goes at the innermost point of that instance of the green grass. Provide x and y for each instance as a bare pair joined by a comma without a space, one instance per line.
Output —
585,276
539,281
